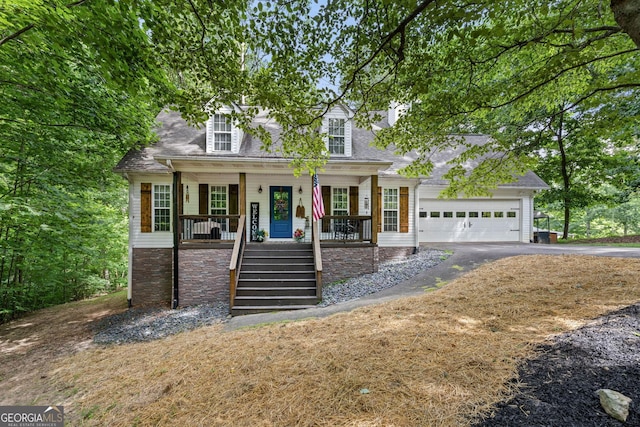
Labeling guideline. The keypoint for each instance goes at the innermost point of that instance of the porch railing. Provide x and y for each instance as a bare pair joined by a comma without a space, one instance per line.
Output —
317,258
345,228
199,228
236,260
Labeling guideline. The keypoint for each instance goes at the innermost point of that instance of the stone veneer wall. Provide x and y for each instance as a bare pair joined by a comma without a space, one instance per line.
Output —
152,276
394,254
204,276
343,262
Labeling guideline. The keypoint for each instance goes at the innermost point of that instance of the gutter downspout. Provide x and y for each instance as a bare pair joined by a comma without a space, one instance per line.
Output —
176,185
130,245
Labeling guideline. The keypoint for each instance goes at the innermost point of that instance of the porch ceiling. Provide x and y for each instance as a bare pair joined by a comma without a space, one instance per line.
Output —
268,165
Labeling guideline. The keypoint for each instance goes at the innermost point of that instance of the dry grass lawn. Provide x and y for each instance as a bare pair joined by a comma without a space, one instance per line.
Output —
435,360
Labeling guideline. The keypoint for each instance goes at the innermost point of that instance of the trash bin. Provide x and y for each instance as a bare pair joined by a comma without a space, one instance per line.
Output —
543,237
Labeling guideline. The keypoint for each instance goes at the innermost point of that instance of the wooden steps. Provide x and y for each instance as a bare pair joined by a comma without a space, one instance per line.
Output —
275,277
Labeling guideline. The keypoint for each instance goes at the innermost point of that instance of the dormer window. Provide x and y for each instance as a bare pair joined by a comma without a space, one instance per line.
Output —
221,133
336,136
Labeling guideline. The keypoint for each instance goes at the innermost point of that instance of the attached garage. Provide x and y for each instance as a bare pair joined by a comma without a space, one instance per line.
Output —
471,220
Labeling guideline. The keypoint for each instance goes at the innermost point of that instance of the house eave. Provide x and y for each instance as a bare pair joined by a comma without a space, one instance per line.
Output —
267,165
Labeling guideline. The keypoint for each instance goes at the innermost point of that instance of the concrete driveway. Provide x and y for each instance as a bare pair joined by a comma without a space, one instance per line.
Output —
466,257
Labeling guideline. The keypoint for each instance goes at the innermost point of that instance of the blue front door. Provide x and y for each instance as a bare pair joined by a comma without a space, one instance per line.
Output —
281,221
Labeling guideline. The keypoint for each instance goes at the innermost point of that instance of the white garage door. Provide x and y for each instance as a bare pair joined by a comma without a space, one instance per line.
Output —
469,220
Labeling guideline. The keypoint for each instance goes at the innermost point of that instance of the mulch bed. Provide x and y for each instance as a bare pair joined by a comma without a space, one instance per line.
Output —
558,388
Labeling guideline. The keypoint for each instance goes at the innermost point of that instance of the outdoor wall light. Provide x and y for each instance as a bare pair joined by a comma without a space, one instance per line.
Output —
300,190
366,203
260,189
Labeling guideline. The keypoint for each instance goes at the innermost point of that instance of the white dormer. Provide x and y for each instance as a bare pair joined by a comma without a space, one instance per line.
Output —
222,134
395,111
337,125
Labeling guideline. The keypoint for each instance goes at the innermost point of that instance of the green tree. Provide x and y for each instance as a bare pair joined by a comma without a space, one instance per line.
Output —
455,63
80,86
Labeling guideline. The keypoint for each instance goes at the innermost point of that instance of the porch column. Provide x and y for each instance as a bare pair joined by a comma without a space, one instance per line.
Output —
375,218
177,230
242,197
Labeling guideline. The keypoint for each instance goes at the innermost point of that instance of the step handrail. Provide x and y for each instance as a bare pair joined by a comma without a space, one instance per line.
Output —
236,260
317,258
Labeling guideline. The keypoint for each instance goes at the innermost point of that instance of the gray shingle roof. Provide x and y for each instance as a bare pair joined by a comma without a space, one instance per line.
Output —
177,138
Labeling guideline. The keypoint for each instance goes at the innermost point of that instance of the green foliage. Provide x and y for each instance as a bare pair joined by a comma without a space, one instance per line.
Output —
82,81
485,66
80,87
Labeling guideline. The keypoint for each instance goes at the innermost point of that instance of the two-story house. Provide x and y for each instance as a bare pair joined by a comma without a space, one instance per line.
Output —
198,196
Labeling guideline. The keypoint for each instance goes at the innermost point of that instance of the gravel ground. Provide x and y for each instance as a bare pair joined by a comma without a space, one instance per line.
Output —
146,324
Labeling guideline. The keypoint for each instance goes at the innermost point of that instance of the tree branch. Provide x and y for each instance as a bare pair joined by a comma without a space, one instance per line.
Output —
31,26
16,34
51,125
400,29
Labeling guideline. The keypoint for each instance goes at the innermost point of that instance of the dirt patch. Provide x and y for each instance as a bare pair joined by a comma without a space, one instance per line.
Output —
30,346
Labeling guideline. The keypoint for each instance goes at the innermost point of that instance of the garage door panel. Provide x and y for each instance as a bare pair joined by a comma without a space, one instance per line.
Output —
469,220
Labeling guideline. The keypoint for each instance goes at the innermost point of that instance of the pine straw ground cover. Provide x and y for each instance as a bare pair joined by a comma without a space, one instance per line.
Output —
440,359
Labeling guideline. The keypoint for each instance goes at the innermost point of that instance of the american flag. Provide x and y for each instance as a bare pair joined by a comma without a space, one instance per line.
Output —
318,204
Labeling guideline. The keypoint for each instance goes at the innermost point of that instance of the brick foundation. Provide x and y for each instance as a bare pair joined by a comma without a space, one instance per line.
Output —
394,254
152,276
204,276
344,262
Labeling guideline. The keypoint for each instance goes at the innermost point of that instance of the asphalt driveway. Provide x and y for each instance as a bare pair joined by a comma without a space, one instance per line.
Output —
466,257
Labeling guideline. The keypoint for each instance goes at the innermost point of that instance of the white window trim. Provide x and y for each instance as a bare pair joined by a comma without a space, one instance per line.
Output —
332,136
226,199
154,208
224,224
333,200
396,209
214,132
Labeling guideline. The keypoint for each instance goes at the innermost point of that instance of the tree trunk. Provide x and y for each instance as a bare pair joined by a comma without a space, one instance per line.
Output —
566,179
627,15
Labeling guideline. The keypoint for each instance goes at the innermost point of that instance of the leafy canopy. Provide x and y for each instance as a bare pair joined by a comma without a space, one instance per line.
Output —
455,63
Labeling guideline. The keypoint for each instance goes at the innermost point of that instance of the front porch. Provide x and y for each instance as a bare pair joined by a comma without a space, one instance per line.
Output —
216,217
203,230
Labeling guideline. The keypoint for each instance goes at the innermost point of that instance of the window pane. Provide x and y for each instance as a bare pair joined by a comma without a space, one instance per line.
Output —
221,133
280,205
221,123
336,136
340,201
461,214
473,214
486,214
390,209
511,214
434,214
222,141
162,207
218,200
390,221
423,214
447,214
498,214
390,198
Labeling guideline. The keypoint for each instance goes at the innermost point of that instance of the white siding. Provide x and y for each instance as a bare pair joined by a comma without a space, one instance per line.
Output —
155,239
192,206
254,181
395,238
527,219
